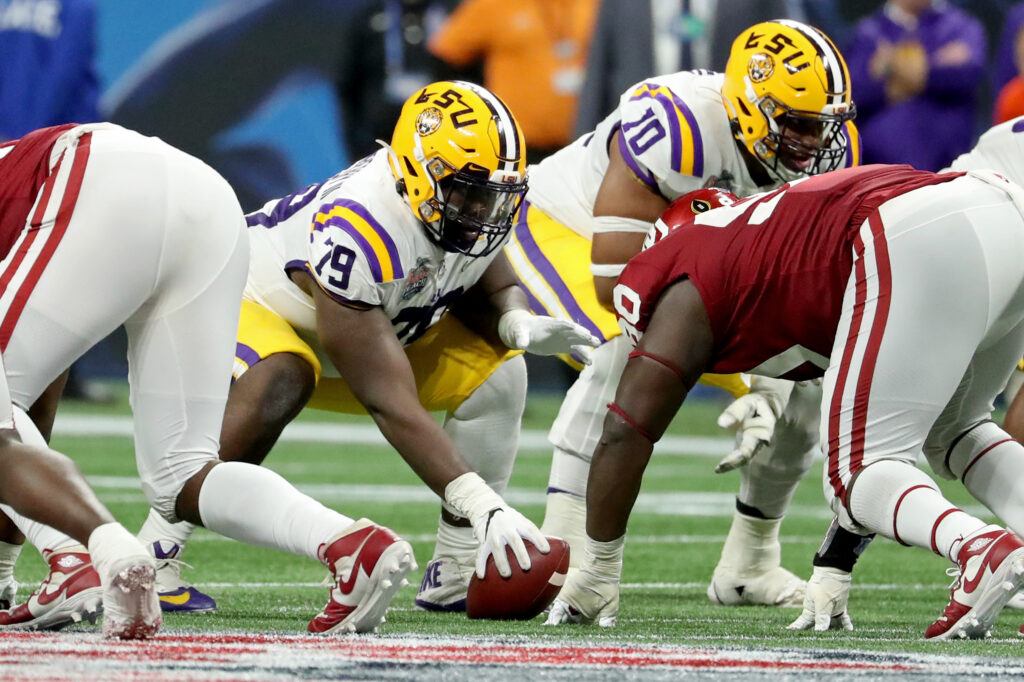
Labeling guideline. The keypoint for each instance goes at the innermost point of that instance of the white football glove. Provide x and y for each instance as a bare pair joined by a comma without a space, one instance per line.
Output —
520,329
591,594
825,604
505,526
754,416
495,524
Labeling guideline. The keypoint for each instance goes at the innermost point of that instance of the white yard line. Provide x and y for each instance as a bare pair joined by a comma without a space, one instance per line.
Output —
368,434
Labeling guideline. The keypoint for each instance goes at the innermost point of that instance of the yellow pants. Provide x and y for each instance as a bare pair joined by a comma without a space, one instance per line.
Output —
552,264
449,362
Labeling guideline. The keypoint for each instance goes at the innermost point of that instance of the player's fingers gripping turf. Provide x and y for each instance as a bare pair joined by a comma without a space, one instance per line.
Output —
825,604
586,599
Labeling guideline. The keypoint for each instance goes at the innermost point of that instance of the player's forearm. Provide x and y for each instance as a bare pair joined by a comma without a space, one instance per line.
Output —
423,444
615,475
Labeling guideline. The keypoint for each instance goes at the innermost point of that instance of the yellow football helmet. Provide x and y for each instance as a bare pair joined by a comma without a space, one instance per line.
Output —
787,91
459,159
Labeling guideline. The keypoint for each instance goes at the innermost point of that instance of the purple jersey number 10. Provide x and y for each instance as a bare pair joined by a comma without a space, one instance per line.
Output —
650,131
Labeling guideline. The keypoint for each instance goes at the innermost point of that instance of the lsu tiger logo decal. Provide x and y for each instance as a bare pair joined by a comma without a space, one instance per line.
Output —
428,121
760,67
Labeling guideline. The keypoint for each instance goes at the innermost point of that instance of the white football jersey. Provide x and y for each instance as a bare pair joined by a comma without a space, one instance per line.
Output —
675,136
1001,149
357,237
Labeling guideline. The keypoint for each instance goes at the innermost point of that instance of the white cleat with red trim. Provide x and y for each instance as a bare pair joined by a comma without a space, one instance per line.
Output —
369,564
70,594
989,571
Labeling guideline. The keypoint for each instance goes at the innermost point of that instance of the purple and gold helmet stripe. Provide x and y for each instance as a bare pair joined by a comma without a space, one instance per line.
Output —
373,240
835,68
852,145
684,133
509,151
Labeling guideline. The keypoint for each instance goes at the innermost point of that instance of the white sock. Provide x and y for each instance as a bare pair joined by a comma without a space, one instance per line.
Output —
109,543
157,529
993,463
254,505
569,473
40,536
751,547
8,557
457,542
901,502
566,517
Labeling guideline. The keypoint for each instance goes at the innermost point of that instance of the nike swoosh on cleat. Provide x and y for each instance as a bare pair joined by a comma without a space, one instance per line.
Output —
176,599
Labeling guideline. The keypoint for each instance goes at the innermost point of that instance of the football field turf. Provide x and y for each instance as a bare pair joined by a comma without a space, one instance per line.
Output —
675,536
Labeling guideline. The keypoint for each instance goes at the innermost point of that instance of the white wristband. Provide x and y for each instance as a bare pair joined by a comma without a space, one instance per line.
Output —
604,559
611,223
507,321
471,496
607,269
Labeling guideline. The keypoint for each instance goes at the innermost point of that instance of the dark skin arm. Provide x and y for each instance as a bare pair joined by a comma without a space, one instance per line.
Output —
496,292
364,349
651,394
621,195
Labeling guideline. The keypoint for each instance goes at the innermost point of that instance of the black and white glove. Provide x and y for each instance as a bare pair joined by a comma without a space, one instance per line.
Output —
825,604
591,594
753,416
495,524
520,329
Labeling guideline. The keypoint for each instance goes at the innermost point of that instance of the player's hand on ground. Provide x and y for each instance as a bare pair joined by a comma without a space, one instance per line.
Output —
586,599
825,604
504,526
542,335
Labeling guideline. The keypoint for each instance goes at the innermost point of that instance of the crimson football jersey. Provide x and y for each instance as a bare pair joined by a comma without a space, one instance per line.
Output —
771,269
24,167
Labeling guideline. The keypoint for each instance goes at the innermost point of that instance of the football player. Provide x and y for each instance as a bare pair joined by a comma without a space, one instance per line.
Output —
347,309
101,227
851,276
782,110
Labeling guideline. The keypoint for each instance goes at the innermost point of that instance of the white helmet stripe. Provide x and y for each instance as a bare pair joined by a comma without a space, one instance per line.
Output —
508,134
833,62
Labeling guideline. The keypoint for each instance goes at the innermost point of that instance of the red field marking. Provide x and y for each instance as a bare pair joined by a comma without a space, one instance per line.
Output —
224,651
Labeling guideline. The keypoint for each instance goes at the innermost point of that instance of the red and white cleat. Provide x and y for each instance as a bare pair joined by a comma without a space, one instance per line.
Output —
70,594
990,570
369,564
131,608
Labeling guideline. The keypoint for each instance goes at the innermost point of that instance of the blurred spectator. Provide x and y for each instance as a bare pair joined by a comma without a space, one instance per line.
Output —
384,58
915,66
1010,102
636,39
1006,65
48,77
533,54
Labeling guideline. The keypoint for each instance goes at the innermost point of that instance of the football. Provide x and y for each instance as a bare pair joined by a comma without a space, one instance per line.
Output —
524,594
